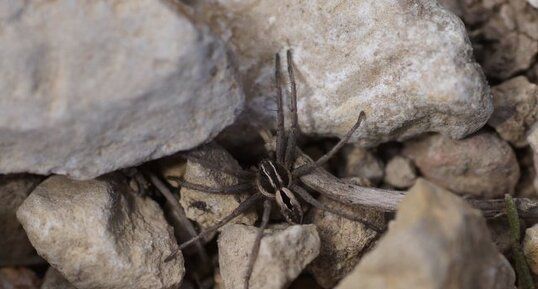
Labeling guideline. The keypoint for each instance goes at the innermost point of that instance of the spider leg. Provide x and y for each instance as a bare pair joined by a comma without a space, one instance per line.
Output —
240,174
256,247
249,202
289,158
280,138
312,201
228,190
308,168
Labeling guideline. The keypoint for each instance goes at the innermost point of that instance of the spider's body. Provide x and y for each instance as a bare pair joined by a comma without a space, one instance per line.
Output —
275,179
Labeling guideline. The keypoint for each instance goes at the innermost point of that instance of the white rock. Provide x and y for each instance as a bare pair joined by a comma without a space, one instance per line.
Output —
100,235
407,64
284,253
534,3
94,86
436,241
400,172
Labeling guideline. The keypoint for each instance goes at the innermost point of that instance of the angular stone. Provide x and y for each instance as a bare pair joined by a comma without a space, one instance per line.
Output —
99,234
359,55
482,165
127,82
55,280
284,253
343,242
15,248
436,241
400,172
516,109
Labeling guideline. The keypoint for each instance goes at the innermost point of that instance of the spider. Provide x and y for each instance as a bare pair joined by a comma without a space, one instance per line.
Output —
274,179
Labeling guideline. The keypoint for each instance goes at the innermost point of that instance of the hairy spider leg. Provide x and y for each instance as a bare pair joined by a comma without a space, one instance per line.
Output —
315,203
227,190
308,168
267,204
289,158
245,205
238,173
280,137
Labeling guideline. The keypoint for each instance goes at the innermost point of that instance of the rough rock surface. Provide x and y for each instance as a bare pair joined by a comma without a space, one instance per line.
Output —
55,280
18,278
436,241
400,172
361,163
516,109
99,235
284,253
482,165
127,82
343,241
360,55
530,247
207,209
15,248
504,33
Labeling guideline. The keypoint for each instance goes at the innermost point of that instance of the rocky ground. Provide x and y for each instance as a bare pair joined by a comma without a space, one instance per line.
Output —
102,100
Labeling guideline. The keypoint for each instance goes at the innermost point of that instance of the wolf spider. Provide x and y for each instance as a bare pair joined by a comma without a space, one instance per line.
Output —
275,179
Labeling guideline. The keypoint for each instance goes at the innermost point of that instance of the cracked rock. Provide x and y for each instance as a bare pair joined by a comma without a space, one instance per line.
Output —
343,242
516,109
359,55
436,241
482,165
128,82
400,172
284,253
98,234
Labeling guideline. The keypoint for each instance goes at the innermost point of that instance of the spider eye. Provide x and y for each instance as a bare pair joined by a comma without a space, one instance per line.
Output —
289,206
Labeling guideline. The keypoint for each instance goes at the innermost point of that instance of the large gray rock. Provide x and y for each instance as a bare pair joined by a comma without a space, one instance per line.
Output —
284,253
98,234
436,242
359,55
95,86
15,248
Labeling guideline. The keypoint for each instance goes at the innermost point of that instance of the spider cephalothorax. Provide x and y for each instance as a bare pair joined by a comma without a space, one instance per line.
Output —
274,179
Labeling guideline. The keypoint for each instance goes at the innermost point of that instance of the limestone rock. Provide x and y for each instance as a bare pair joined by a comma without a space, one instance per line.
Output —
516,109
361,163
343,242
98,234
55,280
359,55
400,172
436,241
99,85
207,209
15,248
284,253
482,165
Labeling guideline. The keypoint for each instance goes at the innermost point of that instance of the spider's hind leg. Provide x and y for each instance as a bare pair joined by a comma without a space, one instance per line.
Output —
256,247
289,157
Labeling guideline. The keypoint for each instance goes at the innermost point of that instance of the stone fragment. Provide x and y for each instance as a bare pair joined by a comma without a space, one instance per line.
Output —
343,242
359,55
436,241
128,82
18,278
530,247
400,173
361,163
534,3
55,280
284,253
99,234
15,248
482,165
205,208
516,109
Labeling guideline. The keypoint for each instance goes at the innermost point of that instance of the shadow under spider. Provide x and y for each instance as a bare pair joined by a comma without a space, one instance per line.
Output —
275,179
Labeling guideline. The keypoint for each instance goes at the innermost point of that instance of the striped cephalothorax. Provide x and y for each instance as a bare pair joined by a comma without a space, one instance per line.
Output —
275,179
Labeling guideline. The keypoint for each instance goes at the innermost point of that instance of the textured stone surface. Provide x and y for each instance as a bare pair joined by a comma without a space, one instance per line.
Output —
530,247
207,209
18,278
359,55
361,163
436,241
343,242
400,172
127,82
284,253
15,248
516,109
534,3
99,235
482,165
55,280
